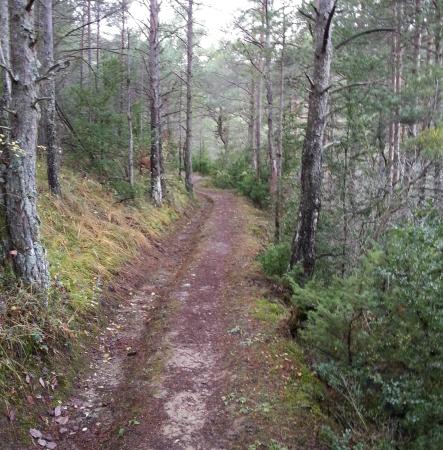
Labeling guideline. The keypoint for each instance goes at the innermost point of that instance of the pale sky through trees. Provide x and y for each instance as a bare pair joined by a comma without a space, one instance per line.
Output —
214,15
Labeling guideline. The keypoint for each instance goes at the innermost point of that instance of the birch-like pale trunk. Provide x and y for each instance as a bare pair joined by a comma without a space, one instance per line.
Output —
154,94
188,139
303,248
49,126
29,259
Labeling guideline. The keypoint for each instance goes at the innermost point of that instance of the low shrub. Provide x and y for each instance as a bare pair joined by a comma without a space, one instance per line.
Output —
238,175
275,259
375,338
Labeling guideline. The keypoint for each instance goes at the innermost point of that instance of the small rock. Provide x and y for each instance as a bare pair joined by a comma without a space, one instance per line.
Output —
42,442
36,434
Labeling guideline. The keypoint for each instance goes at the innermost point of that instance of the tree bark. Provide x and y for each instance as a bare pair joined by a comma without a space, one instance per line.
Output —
129,118
188,139
49,134
303,248
251,125
279,151
438,192
180,133
267,6
259,113
5,102
29,260
154,93
97,38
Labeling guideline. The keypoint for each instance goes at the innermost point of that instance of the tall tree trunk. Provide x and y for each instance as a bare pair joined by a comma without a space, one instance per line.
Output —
417,42
97,37
188,138
303,248
5,105
398,58
259,112
49,134
394,129
180,132
129,117
82,46
21,200
251,127
154,93
279,151
267,6
438,192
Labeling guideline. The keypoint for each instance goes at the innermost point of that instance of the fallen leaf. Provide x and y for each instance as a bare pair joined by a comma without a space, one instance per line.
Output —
42,442
28,378
41,381
57,411
36,434
51,445
30,399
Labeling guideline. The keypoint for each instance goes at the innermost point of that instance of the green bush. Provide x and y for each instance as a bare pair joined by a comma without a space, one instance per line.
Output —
376,336
275,259
223,180
239,175
202,164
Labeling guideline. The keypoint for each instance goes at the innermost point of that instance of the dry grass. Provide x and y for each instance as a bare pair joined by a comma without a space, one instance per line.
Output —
88,235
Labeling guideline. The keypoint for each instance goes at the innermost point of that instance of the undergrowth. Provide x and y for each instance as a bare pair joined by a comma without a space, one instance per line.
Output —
374,338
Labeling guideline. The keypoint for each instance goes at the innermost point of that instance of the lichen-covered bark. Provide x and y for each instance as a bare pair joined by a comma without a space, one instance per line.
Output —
28,254
303,249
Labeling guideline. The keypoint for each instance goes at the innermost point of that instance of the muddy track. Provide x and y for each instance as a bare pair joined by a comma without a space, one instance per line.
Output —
158,378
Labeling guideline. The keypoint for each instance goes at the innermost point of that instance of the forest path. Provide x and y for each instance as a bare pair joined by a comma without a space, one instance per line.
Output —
158,378
194,357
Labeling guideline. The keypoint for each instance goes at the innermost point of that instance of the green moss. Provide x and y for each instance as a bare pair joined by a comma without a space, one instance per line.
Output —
268,311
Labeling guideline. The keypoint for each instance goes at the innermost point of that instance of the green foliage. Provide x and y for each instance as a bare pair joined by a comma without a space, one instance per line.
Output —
100,142
376,336
238,175
275,259
429,142
202,164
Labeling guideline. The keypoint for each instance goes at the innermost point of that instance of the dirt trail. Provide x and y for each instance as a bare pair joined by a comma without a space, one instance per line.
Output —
157,381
